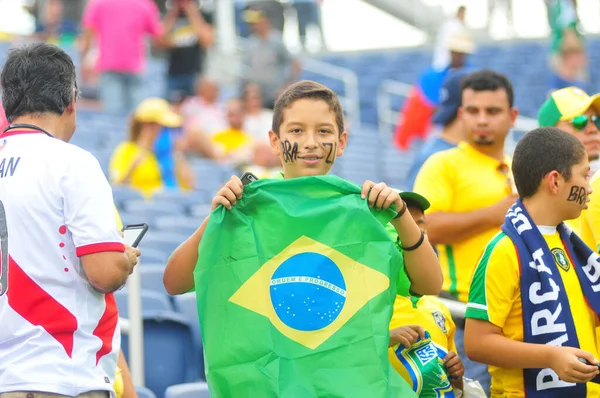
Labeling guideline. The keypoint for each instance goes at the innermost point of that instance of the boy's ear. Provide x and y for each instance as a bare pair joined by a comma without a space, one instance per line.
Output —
343,140
275,145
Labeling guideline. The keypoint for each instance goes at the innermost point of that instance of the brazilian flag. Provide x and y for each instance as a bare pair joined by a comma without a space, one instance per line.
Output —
295,289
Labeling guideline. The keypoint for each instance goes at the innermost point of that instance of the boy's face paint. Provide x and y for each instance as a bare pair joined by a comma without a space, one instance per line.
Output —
578,189
309,140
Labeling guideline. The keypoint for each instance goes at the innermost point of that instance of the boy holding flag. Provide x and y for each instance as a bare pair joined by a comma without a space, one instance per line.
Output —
318,336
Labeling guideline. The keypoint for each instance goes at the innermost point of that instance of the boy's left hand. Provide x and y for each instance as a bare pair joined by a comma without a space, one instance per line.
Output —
454,365
380,195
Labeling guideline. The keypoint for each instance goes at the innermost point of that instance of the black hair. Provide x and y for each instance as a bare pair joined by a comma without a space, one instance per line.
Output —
488,80
540,152
36,79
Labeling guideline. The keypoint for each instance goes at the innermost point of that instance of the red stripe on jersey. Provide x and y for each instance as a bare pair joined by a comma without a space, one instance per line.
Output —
100,248
39,308
107,326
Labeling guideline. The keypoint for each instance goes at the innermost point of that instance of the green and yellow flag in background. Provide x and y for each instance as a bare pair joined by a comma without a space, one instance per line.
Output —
295,289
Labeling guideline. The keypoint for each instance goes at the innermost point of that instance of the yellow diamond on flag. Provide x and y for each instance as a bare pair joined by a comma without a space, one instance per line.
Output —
309,291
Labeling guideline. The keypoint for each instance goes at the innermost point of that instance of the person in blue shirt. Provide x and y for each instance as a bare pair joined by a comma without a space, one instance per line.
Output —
446,116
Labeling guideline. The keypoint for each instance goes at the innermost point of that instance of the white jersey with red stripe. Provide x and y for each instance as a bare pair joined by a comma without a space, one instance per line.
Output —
57,333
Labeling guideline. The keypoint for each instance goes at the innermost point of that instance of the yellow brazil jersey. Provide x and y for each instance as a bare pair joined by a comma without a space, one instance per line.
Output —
231,140
460,180
430,313
590,218
134,166
495,297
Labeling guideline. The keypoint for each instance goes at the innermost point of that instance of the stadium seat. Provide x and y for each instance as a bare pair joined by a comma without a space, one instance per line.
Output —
188,390
153,256
164,241
123,193
143,392
153,207
186,305
152,278
151,301
178,224
168,359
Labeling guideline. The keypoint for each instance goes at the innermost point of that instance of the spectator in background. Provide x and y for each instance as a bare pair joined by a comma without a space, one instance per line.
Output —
189,32
424,324
447,116
574,112
3,122
266,60
415,115
571,61
258,120
568,61
134,162
234,142
204,111
470,189
441,55
119,26
309,13
53,27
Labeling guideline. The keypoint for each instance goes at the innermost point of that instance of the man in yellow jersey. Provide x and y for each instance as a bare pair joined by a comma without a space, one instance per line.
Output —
470,189
422,331
535,296
573,111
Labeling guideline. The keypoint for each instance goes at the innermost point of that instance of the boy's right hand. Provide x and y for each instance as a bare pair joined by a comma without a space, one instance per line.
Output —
406,335
229,194
565,362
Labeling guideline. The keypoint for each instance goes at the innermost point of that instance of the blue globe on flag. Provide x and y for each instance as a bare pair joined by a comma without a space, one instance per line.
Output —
308,291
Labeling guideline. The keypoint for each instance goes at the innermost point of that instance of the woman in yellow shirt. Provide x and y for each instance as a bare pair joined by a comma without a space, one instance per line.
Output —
134,163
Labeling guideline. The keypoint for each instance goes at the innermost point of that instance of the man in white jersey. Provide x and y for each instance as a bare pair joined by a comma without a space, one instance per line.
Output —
61,254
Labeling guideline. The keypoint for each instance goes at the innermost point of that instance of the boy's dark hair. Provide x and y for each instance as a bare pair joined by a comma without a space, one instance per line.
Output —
311,90
36,79
540,152
488,80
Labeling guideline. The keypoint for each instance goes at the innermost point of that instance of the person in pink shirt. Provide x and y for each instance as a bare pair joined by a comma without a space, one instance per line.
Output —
3,122
119,27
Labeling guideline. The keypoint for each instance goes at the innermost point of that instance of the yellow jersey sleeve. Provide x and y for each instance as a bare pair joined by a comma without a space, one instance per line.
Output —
592,214
118,385
120,163
495,283
435,181
119,221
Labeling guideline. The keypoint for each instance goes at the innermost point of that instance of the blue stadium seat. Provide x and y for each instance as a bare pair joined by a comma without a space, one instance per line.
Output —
168,359
188,390
152,278
164,241
123,193
178,224
154,207
151,301
200,211
153,256
186,305
143,392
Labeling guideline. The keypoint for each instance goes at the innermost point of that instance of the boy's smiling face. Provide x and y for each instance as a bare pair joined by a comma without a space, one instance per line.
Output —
309,140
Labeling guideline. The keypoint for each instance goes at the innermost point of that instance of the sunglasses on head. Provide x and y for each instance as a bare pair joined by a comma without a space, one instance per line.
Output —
580,122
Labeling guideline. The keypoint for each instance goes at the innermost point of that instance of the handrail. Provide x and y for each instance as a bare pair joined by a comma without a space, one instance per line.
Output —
388,117
351,98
